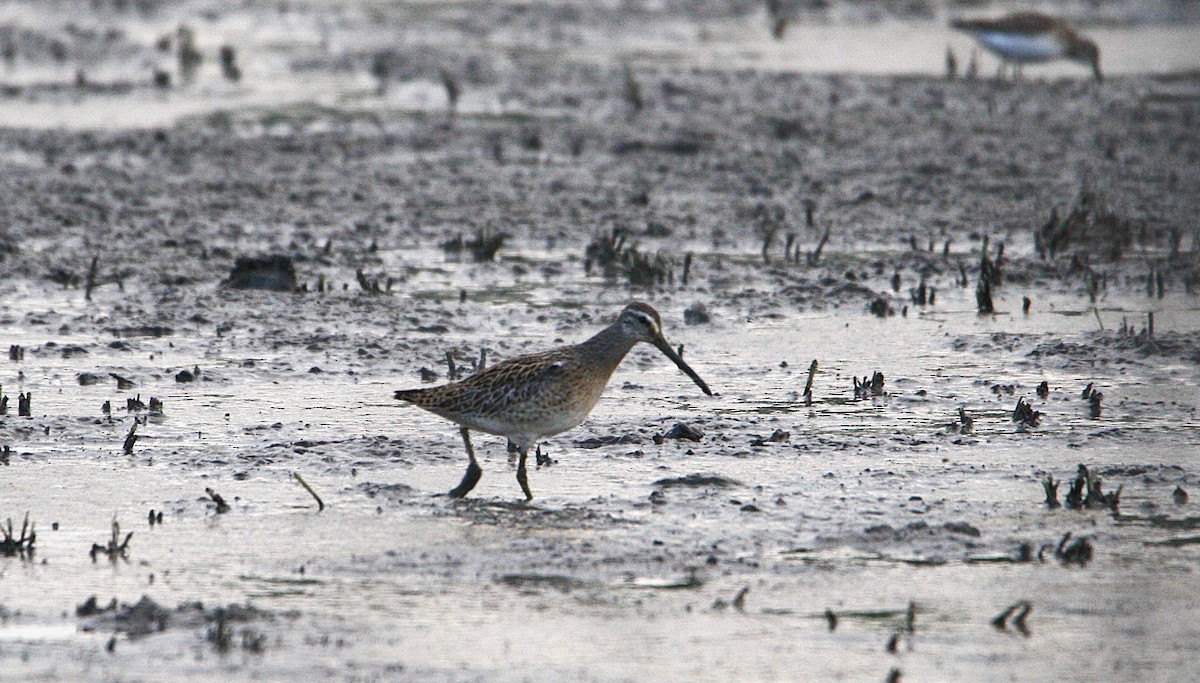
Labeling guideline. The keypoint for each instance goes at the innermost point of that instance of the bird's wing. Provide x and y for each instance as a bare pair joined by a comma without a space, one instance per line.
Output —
493,389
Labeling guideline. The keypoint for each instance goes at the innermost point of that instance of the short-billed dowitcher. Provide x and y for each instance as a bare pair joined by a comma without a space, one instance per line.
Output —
531,397
1030,37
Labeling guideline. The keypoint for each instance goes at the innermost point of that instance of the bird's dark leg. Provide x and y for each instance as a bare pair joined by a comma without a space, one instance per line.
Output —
522,477
474,472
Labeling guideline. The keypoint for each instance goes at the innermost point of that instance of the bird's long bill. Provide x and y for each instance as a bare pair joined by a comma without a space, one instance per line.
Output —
670,353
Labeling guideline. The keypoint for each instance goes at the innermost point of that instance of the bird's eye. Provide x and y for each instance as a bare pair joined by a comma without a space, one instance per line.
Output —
645,321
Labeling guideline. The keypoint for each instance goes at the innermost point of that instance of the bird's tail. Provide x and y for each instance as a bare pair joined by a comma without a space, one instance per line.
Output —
410,395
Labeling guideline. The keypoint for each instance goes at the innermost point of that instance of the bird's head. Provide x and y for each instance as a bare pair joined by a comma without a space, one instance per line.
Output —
639,321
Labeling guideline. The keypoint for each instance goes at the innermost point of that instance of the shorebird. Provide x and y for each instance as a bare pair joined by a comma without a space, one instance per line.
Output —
1030,37
541,394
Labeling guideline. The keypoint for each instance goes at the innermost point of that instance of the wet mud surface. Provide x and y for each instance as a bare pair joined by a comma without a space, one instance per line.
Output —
714,551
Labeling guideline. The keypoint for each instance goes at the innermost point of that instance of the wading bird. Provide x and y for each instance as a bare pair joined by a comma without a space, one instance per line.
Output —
1030,37
531,397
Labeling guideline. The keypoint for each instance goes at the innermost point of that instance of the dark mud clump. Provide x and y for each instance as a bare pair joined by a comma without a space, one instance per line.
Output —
146,617
275,273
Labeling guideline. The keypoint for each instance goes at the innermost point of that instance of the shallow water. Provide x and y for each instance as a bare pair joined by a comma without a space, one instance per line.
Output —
580,585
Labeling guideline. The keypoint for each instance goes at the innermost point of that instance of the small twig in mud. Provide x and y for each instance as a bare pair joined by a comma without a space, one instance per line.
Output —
894,675
777,18
1096,228
965,423
922,294
188,55
1019,620
451,371
311,492
881,308
739,600
892,642
131,438
1087,491
815,255
1050,486
868,387
983,297
831,619
453,91
229,66
365,284
1021,610
1025,414
910,618
1026,302
24,401
381,70
808,385
123,383
485,244
1079,552
155,517
6,453
1094,404
116,548
12,544
777,436
222,506
768,219
687,267
632,90
1099,322
16,352
219,635
615,258
1043,389
90,282
1179,495
156,406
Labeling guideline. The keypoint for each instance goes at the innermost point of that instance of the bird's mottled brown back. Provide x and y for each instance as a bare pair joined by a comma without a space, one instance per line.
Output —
531,393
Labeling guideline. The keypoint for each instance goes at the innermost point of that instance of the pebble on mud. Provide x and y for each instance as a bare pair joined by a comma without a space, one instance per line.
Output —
682,431
274,273
696,314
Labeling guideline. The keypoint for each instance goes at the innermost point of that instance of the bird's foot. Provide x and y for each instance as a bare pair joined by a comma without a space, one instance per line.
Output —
469,480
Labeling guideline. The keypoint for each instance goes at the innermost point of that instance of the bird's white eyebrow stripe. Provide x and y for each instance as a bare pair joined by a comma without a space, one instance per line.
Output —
649,321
